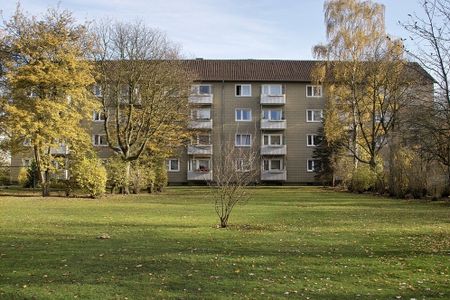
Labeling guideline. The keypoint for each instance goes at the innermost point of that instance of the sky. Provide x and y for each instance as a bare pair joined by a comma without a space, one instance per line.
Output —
215,29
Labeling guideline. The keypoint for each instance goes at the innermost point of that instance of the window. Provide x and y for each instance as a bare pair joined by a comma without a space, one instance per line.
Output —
243,114
201,114
97,90
243,90
272,139
272,89
26,162
272,165
314,91
100,140
313,165
173,165
243,165
199,165
314,115
313,140
201,89
201,139
243,140
272,114
98,116
27,142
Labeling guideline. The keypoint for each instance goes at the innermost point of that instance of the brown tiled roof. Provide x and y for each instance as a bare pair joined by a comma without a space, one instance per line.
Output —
251,70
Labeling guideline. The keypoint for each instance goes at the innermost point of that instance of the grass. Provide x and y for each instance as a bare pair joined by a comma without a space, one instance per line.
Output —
287,242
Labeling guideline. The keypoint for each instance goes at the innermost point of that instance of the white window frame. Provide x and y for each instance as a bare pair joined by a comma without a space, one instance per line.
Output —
270,165
169,165
241,85
241,134
97,90
195,140
190,165
312,90
268,86
307,165
242,165
194,115
270,115
97,116
26,142
96,138
313,110
195,89
242,109
313,136
26,162
270,140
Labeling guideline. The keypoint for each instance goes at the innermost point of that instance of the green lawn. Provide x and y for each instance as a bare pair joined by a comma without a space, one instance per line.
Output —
304,243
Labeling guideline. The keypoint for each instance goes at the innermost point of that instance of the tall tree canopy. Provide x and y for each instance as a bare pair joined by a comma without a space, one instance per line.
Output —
46,75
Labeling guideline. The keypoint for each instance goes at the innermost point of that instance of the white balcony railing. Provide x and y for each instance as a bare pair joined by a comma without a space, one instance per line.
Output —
273,124
273,150
201,99
273,100
60,150
274,175
199,149
200,124
199,175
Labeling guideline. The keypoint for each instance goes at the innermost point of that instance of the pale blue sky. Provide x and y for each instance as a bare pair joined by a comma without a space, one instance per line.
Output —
283,29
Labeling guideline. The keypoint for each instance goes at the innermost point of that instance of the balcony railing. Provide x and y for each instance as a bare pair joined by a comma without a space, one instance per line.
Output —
60,150
273,150
199,175
201,99
273,100
274,175
200,124
273,124
199,149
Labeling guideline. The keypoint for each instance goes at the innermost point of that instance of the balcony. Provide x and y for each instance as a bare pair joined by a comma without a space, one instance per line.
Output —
60,150
274,175
201,99
273,100
199,175
199,149
200,124
273,150
273,124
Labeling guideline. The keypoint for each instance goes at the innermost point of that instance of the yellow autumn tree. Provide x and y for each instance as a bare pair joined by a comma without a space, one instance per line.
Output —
47,77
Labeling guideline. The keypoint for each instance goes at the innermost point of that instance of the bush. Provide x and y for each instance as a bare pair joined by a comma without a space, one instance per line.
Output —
22,178
89,174
142,177
161,177
115,169
363,179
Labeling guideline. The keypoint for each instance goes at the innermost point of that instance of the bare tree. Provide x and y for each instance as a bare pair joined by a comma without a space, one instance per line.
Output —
431,36
237,169
144,89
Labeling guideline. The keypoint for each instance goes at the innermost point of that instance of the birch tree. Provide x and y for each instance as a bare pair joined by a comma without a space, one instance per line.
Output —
46,78
144,89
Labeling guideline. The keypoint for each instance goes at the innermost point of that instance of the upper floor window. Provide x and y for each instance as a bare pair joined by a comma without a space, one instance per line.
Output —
314,91
243,90
201,139
313,140
243,114
201,114
314,115
98,116
97,90
243,140
201,89
173,165
27,142
272,114
272,89
272,139
99,140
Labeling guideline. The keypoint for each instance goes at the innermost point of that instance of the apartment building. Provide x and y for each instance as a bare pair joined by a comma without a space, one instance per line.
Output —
271,103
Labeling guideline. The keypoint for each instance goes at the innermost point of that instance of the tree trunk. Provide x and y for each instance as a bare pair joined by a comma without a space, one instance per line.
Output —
42,174
126,188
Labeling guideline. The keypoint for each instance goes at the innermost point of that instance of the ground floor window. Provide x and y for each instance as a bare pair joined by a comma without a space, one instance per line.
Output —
313,165
272,165
199,165
173,165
